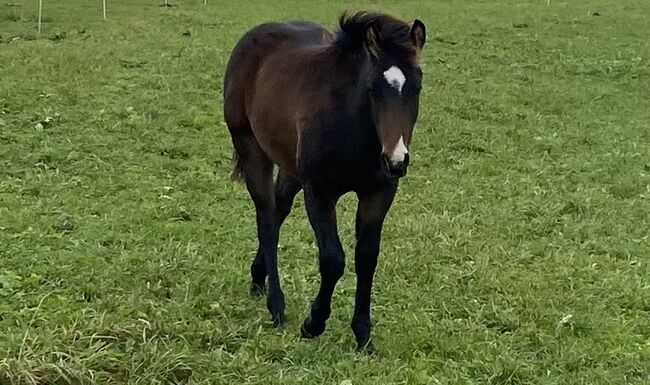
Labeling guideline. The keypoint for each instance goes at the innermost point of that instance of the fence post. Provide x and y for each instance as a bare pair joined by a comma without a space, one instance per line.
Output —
40,14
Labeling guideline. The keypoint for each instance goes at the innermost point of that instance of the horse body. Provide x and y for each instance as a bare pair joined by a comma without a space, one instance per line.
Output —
335,113
308,82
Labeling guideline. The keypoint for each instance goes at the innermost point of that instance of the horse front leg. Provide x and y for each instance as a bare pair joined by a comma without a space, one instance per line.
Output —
321,210
372,209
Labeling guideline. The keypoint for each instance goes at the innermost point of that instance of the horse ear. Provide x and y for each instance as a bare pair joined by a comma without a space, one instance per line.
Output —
418,33
371,41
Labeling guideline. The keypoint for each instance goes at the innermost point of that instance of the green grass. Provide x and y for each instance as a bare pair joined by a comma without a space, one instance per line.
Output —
517,251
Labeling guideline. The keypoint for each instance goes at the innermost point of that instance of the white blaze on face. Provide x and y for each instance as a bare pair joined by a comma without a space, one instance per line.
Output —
395,77
399,153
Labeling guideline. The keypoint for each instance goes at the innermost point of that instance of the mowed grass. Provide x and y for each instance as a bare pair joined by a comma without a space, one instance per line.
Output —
516,252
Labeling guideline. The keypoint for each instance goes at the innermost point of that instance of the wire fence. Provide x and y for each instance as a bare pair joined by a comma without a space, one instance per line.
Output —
104,10
17,10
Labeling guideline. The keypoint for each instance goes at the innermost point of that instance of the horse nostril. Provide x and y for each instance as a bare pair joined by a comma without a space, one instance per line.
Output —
406,160
385,160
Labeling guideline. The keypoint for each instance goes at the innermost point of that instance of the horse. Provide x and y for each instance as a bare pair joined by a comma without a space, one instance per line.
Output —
335,112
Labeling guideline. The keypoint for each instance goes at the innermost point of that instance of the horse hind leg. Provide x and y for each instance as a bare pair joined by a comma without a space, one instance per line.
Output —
286,188
257,171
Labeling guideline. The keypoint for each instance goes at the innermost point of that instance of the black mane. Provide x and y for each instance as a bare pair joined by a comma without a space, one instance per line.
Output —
392,33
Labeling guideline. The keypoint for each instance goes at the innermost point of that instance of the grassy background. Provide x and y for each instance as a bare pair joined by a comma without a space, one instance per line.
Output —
517,251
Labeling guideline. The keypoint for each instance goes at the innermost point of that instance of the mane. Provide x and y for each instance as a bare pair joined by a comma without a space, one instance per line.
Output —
393,33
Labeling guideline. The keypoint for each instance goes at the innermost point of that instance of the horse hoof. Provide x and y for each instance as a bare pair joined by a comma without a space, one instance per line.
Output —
279,321
304,333
367,348
257,290
310,330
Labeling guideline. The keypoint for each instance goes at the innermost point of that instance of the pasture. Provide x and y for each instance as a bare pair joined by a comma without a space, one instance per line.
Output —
517,250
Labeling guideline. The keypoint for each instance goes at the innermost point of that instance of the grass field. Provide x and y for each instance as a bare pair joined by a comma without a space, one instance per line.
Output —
517,251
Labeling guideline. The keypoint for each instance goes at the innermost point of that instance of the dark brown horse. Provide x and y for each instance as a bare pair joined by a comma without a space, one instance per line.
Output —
335,113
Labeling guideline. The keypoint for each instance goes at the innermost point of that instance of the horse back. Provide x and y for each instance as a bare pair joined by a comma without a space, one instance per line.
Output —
244,112
252,50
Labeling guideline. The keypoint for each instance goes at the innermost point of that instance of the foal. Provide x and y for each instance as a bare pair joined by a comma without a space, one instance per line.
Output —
335,113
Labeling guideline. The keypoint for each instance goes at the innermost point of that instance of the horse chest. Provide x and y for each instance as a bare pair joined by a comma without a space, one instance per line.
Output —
336,154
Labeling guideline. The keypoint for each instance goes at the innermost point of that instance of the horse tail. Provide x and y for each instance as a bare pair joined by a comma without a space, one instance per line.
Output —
237,167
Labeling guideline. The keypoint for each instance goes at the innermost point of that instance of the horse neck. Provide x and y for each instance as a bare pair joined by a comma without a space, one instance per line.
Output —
351,70
359,103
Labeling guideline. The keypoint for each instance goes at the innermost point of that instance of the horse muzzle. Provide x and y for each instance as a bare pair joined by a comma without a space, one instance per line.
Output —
395,169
